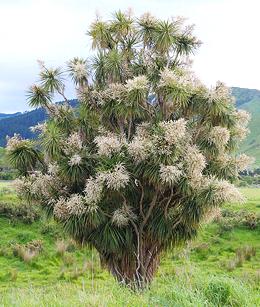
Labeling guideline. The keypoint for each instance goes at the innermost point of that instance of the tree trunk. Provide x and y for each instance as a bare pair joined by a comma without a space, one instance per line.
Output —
128,269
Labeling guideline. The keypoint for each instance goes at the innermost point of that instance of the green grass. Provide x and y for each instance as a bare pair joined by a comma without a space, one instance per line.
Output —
195,275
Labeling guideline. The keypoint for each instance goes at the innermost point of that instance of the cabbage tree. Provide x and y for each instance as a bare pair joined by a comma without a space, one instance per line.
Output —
146,156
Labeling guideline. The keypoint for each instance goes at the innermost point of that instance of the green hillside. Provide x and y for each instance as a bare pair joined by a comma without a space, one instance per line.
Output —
249,100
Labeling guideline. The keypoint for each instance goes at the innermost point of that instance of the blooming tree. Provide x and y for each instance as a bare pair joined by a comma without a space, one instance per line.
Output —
148,154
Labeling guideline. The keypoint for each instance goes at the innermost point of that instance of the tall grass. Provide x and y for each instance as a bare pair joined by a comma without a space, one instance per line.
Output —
194,290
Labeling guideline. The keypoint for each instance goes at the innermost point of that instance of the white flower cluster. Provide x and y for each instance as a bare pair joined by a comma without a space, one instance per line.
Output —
75,205
223,159
219,136
138,83
53,168
140,148
22,186
243,117
72,206
220,93
173,130
73,143
240,132
184,78
108,144
60,210
116,179
196,162
226,192
79,68
93,190
42,184
170,174
120,218
14,142
59,110
40,127
243,161
75,160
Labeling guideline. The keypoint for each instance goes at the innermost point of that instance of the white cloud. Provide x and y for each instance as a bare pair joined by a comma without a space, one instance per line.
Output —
55,31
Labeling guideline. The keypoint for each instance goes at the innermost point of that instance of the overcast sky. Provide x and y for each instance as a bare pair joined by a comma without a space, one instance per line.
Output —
54,31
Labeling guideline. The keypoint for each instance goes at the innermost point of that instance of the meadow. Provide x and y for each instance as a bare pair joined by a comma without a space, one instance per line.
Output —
41,266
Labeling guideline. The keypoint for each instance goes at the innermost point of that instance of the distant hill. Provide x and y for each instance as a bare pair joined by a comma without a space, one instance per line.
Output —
247,99
3,115
21,123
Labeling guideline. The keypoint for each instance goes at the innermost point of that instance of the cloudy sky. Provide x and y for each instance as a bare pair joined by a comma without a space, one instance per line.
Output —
54,31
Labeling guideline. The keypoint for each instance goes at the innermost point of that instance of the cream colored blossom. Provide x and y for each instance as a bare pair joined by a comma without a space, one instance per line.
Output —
223,160
170,174
42,184
140,148
220,93
225,192
75,160
173,130
243,161
22,185
73,144
243,117
79,68
53,168
195,160
185,79
15,141
75,205
240,132
61,210
138,83
219,136
116,179
40,127
120,218
58,111
93,190
108,144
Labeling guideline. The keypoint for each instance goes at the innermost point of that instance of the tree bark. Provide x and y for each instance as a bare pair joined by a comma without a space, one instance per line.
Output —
129,270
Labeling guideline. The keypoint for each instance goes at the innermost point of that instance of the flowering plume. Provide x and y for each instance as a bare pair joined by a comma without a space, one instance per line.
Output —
243,117
75,205
61,210
108,144
116,179
138,83
173,130
140,148
170,174
93,190
243,161
40,127
225,192
15,141
219,136
75,160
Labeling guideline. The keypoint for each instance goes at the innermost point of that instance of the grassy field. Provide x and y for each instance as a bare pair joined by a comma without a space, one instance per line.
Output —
220,268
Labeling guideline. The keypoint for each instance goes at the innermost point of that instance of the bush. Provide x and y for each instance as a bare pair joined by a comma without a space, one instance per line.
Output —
21,212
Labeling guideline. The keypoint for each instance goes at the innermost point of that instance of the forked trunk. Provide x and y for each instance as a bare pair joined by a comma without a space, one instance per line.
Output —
132,270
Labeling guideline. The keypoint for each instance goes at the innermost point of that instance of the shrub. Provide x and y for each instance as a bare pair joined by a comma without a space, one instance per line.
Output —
20,212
